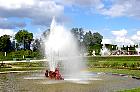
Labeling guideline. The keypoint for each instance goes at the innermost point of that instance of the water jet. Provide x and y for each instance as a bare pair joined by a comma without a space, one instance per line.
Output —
61,48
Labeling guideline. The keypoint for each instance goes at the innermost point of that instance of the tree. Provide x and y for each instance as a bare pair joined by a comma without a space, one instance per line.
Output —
36,45
81,34
5,44
92,41
88,39
75,33
78,33
24,38
97,38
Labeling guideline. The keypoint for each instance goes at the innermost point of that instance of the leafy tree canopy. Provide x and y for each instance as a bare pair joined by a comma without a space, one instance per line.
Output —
24,37
5,44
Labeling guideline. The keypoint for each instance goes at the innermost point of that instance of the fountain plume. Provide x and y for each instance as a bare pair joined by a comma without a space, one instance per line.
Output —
105,51
60,47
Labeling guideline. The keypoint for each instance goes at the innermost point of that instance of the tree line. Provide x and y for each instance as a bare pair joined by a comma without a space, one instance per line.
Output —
24,44
88,41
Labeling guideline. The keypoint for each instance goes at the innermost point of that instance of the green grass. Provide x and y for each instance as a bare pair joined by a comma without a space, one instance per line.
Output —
133,65
21,69
22,66
131,90
129,65
28,64
120,65
114,58
119,71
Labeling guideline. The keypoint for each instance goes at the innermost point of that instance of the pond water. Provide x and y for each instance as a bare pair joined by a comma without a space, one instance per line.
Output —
36,82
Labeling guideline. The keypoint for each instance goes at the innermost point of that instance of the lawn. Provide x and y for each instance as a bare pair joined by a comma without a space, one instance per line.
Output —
118,71
22,66
131,90
120,65
21,69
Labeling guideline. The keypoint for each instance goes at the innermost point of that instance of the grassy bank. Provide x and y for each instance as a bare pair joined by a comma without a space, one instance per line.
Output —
120,65
131,90
129,65
113,58
132,65
28,64
106,64
21,69
22,66
118,71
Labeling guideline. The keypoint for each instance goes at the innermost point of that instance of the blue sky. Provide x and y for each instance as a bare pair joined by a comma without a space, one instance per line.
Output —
117,20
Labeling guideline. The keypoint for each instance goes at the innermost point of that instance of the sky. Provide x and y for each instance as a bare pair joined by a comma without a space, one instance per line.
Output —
117,20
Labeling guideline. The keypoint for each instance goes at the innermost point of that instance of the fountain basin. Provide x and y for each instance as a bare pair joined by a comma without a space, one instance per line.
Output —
37,82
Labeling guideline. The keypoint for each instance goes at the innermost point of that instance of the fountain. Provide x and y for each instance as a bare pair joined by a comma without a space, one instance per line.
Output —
105,51
64,61
61,47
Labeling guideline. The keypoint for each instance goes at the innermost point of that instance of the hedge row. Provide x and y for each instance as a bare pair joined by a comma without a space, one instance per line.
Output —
119,62
114,58
20,55
133,65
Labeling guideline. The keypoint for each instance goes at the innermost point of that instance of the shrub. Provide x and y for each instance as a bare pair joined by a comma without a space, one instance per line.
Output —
18,55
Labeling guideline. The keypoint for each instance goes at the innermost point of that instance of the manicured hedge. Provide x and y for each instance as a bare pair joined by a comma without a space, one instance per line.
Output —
28,64
113,58
120,62
18,55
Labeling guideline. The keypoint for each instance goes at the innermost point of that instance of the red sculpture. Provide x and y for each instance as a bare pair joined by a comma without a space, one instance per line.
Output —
54,75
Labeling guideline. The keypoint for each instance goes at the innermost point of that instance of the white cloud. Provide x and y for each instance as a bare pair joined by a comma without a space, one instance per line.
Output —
119,33
121,38
116,10
129,42
136,37
124,41
106,41
38,33
39,11
122,8
15,4
7,32
84,3
138,33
